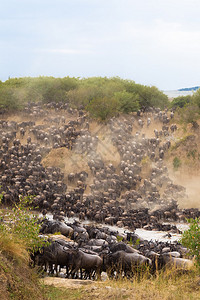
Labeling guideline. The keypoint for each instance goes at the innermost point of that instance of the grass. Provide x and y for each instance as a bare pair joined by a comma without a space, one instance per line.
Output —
17,279
53,293
168,285
12,247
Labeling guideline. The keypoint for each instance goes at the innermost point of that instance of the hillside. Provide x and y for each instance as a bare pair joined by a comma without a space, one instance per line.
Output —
17,279
186,147
126,170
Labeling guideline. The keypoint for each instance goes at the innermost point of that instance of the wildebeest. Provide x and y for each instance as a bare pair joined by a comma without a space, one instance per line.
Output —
124,263
88,262
53,226
54,255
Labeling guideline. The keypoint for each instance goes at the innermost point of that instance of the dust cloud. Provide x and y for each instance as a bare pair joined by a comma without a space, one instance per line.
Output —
70,162
191,181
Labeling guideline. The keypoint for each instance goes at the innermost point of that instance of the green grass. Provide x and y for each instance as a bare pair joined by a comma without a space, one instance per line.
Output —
53,293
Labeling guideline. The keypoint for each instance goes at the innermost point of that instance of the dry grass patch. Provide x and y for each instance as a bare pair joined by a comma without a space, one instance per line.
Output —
17,280
169,285
13,248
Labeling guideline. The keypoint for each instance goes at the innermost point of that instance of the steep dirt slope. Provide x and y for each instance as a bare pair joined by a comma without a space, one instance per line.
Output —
186,148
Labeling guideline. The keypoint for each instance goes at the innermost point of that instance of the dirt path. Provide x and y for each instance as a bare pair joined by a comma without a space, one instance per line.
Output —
67,283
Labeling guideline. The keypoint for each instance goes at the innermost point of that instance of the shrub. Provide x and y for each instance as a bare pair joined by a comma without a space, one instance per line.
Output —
188,114
23,225
103,108
191,239
16,92
196,97
150,96
176,163
181,101
127,102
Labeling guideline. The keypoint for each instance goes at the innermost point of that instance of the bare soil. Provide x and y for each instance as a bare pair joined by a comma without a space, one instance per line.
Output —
66,283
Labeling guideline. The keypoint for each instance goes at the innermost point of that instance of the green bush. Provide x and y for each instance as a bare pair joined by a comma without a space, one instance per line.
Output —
148,96
176,163
127,102
24,225
103,108
189,113
16,92
181,101
196,98
191,239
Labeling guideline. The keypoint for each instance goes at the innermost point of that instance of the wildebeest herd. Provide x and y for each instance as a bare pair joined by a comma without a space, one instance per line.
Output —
93,249
135,192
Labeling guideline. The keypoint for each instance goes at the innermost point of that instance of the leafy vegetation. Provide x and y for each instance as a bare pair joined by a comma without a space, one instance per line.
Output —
127,102
190,113
151,96
94,93
196,98
176,163
187,108
103,108
18,238
20,225
103,97
16,92
181,101
191,239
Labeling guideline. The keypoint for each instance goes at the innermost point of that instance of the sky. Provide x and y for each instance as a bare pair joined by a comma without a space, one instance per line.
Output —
153,42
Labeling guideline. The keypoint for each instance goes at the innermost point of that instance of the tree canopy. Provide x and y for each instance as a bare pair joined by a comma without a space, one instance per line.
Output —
94,93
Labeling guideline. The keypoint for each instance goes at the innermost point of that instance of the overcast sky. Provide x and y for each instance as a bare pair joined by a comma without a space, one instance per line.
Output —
153,42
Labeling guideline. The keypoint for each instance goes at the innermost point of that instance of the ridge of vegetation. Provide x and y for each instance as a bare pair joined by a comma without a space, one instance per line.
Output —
102,97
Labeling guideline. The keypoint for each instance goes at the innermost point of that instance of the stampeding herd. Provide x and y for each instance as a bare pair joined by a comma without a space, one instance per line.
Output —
93,249
135,192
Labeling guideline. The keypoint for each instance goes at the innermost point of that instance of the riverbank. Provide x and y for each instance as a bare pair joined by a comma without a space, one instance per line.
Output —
18,281
169,285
